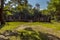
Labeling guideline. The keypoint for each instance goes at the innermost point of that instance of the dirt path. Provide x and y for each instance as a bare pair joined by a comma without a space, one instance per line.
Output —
21,27
40,28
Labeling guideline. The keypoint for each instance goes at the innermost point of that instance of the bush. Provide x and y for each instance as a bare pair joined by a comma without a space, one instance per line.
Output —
29,35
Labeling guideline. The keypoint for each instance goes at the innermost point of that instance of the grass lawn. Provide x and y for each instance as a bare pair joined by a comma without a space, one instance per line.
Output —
13,25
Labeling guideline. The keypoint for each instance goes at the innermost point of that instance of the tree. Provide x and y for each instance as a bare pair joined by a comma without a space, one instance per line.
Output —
54,8
1,13
45,12
37,6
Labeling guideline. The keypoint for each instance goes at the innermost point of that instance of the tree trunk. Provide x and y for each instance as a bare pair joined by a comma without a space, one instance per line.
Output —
1,13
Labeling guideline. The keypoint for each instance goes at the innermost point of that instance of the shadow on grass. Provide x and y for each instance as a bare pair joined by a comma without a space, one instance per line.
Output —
37,35
1,26
30,34
46,36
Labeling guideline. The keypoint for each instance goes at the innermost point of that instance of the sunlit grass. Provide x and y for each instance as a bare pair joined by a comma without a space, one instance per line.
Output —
11,25
53,25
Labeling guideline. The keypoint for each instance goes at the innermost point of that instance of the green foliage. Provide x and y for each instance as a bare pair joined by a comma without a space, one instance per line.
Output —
29,35
45,11
54,8
8,13
54,5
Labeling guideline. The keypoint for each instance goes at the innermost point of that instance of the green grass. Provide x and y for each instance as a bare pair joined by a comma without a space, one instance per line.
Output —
11,25
53,25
